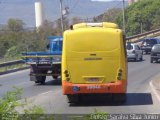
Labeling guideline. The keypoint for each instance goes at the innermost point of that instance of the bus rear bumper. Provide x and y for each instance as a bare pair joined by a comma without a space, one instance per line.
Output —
116,87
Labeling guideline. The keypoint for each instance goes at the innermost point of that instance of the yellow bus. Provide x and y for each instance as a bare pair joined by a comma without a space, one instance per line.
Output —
94,61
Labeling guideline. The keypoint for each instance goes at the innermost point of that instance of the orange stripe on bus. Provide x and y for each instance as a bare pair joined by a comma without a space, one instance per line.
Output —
117,87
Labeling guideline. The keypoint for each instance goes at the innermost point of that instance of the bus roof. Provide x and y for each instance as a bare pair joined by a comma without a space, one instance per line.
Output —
103,24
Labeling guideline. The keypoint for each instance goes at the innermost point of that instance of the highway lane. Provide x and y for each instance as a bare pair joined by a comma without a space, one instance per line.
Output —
21,80
140,98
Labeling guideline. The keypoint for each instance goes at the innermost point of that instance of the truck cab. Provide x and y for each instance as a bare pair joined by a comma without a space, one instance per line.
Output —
55,44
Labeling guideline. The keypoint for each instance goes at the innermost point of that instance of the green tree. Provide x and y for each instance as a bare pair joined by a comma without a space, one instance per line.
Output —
15,24
76,20
109,16
156,20
144,13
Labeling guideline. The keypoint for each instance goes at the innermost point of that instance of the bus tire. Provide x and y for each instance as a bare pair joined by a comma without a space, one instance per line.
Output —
119,97
73,98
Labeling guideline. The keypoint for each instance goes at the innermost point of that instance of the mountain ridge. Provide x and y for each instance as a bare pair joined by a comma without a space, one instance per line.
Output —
24,9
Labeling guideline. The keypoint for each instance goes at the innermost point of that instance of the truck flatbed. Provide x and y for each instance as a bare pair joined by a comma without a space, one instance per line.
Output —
45,63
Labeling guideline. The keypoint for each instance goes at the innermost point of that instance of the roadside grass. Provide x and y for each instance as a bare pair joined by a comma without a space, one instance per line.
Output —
12,109
11,67
9,103
7,59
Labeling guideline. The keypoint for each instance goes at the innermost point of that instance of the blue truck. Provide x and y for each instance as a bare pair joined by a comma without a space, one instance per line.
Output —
47,63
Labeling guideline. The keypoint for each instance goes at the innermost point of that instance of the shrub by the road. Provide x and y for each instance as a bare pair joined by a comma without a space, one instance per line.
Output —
9,103
9,111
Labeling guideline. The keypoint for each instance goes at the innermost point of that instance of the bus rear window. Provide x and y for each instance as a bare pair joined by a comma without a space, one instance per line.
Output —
91,43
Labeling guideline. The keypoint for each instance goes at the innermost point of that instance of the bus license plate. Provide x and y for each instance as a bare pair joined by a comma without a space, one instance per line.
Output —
93,87
93,79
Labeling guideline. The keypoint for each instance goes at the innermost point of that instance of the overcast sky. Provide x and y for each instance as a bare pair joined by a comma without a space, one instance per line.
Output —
24,9
106,0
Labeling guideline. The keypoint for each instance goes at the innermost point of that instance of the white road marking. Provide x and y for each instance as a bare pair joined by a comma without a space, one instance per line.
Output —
22,83
40,95
154,91
58,91
44,93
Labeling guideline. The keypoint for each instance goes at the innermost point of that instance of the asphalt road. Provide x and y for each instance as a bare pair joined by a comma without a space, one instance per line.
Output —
140,98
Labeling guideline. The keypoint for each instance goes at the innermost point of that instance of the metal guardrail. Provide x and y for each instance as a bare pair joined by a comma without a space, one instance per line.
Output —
133,38
143,35
9,67
15,62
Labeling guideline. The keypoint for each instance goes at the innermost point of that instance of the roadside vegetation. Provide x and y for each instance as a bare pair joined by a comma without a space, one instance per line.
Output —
141,16
15,38
12,109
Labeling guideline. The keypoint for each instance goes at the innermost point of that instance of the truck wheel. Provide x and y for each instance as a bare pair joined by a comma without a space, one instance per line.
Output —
43,78
156,60
38,79
141,59
73,98
119,97
35,78
35,71
151,61
135,59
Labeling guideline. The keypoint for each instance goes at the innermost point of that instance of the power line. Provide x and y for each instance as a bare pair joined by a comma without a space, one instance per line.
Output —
68,4
124,26
76,3
61,10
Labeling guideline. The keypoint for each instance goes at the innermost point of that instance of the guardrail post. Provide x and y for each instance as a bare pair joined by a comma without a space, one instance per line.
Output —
5,61
6,68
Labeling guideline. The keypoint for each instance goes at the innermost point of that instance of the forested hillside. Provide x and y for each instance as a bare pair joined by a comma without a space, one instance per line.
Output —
14,38
141,16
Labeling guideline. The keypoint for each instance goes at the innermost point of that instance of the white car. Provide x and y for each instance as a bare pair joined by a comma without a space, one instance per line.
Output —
134,52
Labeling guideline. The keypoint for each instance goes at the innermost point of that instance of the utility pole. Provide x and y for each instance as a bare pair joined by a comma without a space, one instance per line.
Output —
141,27
61,10
124,26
